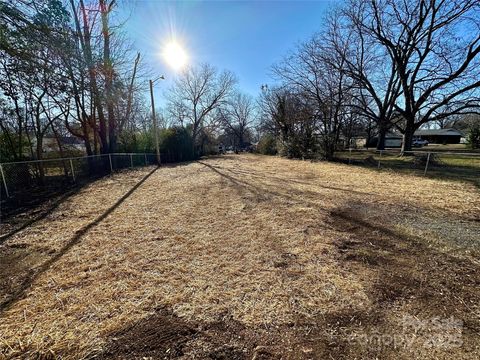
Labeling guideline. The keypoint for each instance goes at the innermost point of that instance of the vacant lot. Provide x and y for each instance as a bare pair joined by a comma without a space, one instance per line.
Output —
246,256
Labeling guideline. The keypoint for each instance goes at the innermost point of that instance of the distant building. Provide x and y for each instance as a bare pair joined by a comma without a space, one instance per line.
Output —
440,136
50,143
392,140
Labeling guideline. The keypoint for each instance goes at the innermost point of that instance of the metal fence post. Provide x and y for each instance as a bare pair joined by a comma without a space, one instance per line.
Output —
111,166
381,152
426,165
145,159
131,161
4,181
71,168
350,156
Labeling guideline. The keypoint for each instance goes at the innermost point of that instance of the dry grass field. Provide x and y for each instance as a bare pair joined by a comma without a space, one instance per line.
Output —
248,257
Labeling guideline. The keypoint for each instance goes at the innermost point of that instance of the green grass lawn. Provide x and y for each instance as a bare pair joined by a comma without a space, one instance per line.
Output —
449,163
449,148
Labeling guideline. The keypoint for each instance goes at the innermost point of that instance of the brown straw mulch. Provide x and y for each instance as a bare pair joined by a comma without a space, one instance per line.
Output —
244,256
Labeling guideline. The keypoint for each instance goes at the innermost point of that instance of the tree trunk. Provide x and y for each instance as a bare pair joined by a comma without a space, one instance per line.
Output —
108,71
86,138
93,79
408,137
329,148
39,153
194,139
382,134
242,143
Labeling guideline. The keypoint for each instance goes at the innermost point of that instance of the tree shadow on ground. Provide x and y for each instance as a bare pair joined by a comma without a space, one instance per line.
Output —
406,271
34,212
44,203
20,289
410,279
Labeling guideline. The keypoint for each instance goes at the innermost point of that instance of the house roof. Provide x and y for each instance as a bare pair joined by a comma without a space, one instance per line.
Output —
438,132
71,140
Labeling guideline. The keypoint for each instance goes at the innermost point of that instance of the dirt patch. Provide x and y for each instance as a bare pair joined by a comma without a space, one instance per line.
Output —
408,269
164,335
370,161
412,280
24,209
284,260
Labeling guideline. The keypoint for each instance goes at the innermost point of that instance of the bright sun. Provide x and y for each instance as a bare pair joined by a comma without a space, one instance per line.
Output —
175,56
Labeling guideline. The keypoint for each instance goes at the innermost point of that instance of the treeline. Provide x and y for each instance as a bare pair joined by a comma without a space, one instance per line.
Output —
377,66
67,71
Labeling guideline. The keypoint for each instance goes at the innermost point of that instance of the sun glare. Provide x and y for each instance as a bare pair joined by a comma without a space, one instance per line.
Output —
175,56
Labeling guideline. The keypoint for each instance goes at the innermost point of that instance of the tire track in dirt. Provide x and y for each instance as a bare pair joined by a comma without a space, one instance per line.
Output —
411,279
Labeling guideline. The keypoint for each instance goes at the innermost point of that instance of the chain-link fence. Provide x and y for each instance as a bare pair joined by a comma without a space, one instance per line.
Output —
33,178
459,165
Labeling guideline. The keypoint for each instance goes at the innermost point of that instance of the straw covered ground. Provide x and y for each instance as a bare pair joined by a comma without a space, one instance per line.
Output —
248,257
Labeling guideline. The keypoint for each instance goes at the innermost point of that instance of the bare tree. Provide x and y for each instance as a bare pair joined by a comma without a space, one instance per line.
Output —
101,54
55,60
88,19
237,116
108,73
375,81
196,93
13,113
290,117
309,72
435,47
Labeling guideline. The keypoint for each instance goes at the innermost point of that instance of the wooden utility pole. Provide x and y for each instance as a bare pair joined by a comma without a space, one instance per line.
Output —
157,148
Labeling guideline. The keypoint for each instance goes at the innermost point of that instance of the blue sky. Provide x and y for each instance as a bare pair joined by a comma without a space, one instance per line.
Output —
246,37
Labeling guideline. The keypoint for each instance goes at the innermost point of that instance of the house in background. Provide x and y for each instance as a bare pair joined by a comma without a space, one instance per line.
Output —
440,136
50,144
392,140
